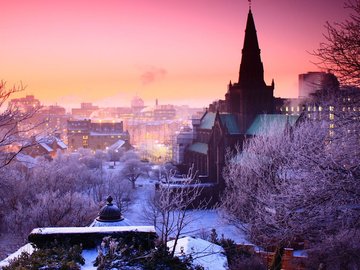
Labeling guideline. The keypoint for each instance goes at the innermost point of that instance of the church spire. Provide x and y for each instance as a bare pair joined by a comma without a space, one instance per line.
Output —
251,68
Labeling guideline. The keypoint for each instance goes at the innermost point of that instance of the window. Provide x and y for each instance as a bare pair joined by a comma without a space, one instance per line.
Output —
331,116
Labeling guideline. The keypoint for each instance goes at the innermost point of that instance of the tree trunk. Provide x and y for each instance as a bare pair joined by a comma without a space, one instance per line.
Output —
276,262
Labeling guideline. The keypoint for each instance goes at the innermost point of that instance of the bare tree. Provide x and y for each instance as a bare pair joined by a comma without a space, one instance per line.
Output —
162,171
133,167
169,208
341,52
13,126
120,189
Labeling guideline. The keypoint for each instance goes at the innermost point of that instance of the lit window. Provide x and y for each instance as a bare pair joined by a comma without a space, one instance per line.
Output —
331,108
331,116
331,125
320,108
309,108
286,109
292,109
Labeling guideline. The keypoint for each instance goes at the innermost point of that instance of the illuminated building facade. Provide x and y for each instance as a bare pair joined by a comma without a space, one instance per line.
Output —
99,135
25,104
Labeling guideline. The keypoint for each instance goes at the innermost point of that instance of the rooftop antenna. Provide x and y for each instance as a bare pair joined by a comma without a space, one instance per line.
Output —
249,4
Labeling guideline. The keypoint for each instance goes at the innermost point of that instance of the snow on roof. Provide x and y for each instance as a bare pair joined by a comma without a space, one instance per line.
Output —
93,133
26,160
117,145
123,222
204,253
185,185
26,248
79,230
46,147
61,144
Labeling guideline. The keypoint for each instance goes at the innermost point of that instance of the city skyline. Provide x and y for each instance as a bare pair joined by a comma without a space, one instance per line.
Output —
177,51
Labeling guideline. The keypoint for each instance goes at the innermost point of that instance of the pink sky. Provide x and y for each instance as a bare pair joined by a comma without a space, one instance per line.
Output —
179,51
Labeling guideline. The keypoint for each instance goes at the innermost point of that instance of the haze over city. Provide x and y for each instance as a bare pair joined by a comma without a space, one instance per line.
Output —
183,52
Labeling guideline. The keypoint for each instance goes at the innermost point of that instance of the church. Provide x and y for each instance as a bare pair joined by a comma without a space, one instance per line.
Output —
248,104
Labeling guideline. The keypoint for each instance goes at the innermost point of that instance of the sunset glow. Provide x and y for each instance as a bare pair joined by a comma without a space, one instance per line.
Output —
183,52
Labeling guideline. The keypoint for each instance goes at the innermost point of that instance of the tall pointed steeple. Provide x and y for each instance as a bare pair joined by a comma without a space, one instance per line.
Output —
251,68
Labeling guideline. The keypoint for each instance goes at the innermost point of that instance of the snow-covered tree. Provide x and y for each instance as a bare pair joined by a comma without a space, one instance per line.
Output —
13,130
53,209
133,167
53,193
298,184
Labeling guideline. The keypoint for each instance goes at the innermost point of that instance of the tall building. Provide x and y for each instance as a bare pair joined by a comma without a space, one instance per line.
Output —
311,82
229,122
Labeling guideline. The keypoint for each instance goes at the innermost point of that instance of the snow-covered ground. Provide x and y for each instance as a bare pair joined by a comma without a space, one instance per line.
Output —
202,221
208,255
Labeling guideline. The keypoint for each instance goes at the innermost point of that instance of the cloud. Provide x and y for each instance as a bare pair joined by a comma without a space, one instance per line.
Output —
152,74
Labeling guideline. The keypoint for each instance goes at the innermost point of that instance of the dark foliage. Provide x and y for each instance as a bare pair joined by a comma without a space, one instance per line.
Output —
239,257
116,254
53,257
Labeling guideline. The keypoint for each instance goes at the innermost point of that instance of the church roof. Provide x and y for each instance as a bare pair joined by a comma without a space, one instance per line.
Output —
208,120
198,147
229,121
263,123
